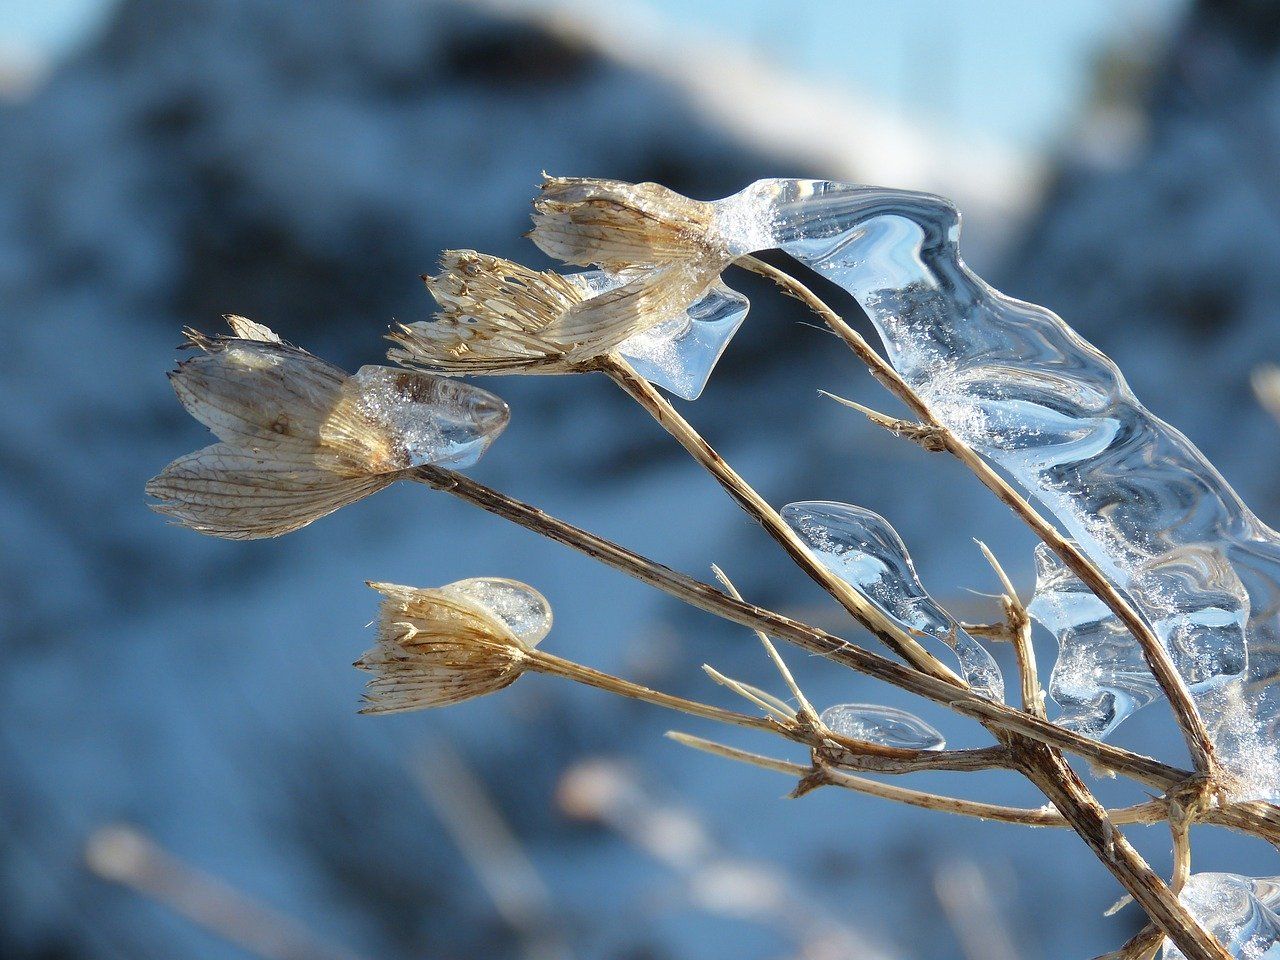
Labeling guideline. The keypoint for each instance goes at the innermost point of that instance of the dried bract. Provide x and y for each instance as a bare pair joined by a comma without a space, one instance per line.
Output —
438,647
617,225
300,438
499,317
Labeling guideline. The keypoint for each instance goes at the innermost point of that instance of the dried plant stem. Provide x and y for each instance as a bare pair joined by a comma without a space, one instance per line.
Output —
1171,682
548,663
1059,783
657,406
1143,769
1153,811
1142,946
1018,624
1045,768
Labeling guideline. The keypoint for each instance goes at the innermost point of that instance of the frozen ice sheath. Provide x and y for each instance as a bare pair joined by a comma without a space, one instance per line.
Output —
866,552
1239,911
1025,391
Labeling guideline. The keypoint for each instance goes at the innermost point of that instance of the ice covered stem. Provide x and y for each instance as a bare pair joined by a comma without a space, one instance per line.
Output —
866,613
1157,657
1259,818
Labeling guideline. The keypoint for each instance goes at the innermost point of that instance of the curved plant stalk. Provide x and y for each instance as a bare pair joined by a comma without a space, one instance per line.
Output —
942,437
658,407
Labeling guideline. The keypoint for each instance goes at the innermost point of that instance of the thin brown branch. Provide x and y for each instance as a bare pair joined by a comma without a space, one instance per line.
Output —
1141,768
1158,659
862,610
1018,624
822,775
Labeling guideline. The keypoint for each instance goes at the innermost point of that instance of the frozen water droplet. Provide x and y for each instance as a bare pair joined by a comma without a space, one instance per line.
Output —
679,353
432,419
1241,912
1100,677
884,725
523,609
861,548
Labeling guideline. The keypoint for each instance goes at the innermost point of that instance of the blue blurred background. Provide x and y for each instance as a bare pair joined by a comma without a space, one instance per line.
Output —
166,162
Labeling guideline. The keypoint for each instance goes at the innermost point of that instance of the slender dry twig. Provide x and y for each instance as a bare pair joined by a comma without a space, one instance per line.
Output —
862,610
1018,624
1171,683
1054,777
1145,770
814,776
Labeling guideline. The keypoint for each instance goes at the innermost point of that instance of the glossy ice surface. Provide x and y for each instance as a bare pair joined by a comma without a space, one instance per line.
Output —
884,725
862,549
1028,393
679,353
523,609
431,419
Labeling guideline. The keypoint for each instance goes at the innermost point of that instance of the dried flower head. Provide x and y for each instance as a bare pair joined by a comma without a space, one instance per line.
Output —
438,647
500,317
617,225
300,438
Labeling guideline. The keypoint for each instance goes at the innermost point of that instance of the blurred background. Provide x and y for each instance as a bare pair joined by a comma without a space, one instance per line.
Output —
182,771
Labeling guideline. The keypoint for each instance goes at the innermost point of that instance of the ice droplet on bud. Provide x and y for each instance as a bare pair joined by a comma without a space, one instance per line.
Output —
523,609
864,550
432,419
884,725
1240,912
1100,677
679,353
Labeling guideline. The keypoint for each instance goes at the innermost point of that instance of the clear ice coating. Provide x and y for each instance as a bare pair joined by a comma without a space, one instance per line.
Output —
1057,416
432,419
523,609
861,548
679,353
1239,911
1100,677
884,725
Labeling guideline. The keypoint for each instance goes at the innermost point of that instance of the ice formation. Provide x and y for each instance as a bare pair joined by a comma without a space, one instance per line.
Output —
523,609
1057,416
679,353
1100,676
1239,911
884,725
866,552
435,419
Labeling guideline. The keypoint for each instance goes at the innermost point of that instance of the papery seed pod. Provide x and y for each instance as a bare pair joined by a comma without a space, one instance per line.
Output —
437,647
617,225
499,317
300,438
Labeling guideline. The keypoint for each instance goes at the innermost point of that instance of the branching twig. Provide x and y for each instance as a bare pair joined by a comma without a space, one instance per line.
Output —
885,629
1158,659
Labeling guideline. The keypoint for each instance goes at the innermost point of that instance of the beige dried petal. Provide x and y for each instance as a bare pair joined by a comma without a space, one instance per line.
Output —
617,225
224,491
499,317
434,649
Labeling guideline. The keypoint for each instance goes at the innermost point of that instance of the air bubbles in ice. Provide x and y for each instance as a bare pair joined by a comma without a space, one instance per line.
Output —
884,725
523,609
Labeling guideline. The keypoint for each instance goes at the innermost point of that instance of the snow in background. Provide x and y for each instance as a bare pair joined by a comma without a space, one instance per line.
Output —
302,164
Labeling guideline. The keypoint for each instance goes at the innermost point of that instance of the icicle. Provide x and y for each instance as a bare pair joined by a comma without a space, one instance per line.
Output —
862,548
